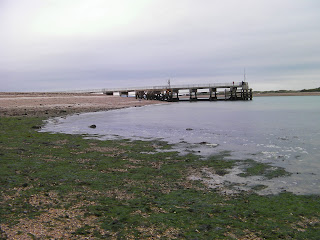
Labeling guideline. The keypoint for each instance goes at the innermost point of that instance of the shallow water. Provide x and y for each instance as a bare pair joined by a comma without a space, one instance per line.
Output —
284,131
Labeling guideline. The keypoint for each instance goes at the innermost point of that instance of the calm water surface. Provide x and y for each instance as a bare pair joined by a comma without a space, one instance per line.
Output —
284,131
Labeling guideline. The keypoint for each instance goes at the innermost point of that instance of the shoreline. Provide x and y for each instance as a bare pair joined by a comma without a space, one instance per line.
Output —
57,104
74,188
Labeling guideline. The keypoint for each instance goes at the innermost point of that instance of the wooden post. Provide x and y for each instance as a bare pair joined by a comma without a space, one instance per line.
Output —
176,92
191,91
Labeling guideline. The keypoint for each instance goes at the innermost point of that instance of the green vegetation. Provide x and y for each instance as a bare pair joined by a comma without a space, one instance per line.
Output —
254,168
311,90
290,91
72,187
276,91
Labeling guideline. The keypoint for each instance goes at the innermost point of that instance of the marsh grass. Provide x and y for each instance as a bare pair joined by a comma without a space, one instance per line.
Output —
64,186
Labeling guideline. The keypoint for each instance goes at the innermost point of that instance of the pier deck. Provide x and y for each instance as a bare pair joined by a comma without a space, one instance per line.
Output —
211,92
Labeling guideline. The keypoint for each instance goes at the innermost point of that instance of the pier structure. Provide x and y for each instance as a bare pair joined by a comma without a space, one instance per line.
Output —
196,92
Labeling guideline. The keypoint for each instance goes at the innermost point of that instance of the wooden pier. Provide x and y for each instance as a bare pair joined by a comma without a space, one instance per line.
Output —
209,92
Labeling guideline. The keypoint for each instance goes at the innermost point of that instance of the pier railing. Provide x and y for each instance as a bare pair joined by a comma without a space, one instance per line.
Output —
185,86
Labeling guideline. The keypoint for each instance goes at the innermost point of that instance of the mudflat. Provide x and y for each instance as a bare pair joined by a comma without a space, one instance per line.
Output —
55,104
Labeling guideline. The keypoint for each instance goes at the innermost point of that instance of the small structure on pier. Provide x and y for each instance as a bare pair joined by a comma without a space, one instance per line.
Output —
210,92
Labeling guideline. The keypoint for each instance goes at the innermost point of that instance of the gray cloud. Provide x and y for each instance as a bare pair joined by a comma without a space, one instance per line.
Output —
51,45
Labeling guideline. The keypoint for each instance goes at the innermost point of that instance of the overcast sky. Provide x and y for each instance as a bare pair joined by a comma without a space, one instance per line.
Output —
48,45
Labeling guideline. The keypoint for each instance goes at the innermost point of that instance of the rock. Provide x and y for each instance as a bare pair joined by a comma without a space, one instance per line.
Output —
212,144
3,235
205,227
93,126
36,127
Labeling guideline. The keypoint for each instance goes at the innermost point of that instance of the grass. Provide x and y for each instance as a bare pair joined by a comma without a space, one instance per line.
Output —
70,187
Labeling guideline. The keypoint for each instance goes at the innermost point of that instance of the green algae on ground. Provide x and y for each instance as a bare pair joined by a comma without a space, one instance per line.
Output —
74,187
253,168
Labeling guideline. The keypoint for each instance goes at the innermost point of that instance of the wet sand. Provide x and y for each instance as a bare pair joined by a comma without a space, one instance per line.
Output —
55,104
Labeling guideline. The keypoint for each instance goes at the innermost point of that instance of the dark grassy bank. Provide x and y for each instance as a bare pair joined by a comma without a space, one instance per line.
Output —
290,91
63,186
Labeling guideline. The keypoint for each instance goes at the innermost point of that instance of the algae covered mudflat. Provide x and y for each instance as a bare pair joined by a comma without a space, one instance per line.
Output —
280,131
63,186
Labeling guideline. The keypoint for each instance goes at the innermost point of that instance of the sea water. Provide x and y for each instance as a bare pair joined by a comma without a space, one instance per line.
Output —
282,131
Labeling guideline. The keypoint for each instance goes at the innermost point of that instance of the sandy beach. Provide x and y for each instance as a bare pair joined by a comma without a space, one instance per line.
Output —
54,104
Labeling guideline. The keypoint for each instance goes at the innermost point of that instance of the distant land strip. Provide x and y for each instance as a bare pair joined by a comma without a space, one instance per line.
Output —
304,92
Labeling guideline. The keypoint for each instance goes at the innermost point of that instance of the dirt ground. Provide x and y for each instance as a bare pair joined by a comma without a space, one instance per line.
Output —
54,104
